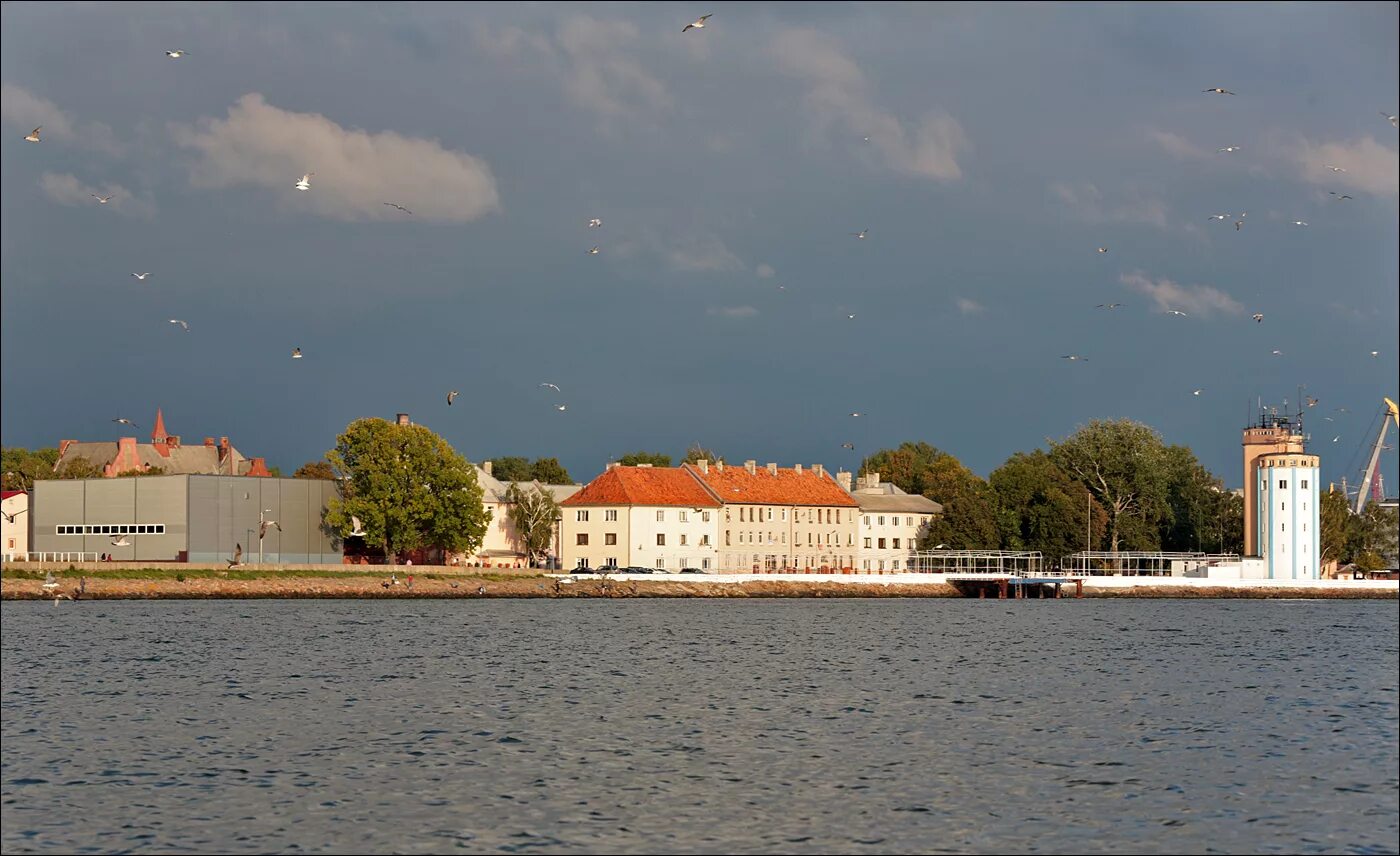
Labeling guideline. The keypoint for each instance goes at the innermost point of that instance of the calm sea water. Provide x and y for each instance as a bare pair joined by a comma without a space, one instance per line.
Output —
688,726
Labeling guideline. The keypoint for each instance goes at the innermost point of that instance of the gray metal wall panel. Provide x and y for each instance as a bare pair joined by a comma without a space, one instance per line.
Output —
224,513
112,502
53,503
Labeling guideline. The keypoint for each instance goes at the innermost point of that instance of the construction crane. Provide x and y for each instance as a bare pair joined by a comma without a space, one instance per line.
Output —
1392,414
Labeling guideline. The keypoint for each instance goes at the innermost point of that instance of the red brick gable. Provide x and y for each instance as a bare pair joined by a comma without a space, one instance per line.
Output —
644,486
788,487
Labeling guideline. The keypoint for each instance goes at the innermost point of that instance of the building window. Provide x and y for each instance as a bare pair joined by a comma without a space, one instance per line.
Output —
582,539
1304,484
661,539
726,537
704,540
682,539
882,564
661,563
609,516
882,546
894,542
660,516
867,520
1283,506
705,516
894,566
784,514
1282,484
581,516
704,564
867,543
610,539
685,517
908,521
1283,527
882,520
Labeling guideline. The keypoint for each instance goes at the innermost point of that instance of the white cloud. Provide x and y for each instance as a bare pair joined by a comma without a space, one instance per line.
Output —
24,109
732,311
968,306
1088,203
1370,167
839,95
765,271
356,172
1200,300
703,253
1177,145
67,189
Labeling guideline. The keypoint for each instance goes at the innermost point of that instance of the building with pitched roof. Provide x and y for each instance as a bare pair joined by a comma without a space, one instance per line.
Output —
501,546
164,454
654,517
781,518
891,522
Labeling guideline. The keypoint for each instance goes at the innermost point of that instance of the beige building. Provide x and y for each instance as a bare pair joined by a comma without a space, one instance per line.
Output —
165,454
777,518
14,526
891,522
654,517
501,546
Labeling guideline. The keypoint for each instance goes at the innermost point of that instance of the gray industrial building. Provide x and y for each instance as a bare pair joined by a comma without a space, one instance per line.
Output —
184,518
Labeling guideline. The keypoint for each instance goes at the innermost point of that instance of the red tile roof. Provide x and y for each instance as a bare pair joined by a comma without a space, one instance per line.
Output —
9,493
644,486
788,487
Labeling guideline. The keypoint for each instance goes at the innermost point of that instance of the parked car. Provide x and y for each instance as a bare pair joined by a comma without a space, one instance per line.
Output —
638,569
691,571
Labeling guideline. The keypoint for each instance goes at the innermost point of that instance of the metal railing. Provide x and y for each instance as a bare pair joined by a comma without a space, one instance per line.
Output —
1000,562
1140,563
57,557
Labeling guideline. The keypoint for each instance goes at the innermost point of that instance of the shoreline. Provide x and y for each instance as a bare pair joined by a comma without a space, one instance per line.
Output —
212,584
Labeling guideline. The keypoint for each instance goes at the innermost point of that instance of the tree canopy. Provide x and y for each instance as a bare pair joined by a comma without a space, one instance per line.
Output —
656,459
408,487
697,452
1042,507
968,521
315,470
513,468
532,512
1125,466
549,471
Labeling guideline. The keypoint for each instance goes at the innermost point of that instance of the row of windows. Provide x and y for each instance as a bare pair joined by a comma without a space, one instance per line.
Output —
749,514
894,520
774,562
893,546
1283,484
610,515
767,538
894,565
112,529
610,539
660,563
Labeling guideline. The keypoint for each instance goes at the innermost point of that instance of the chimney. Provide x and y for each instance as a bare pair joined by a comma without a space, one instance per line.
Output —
209,441
402,419
797,468
173,441
772,468
719,466
750,467
817,468
703,465
843,478
486,465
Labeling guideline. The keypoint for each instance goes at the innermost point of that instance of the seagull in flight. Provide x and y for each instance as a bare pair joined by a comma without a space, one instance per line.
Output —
176,54
1229,149
551,386
1336,438
120,541
697,25
1103,249
1299,223
128,422
858,414
595,223
296,353
1108,306
593,251
1239,224
395,205
1375,353
1074,358
142,276
561,407
1312,402
450,396
1218,217
1197,391
183,325
1218,91
1176,312
34,135
1277,352
1258,317
851,446
1333,168
268,524
101,200
1338,196
1391,117
851,317
305,183
357,529
237,556
862,233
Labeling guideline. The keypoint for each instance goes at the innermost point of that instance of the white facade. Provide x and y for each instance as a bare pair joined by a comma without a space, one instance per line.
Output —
652,536
14,526
887,538
1287,515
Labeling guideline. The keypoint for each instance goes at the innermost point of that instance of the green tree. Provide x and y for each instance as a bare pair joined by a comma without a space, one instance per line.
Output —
1194,499
1042,507
1377,529
549,471
76,468
315,470
532,512
968,521
275,472
22,467
153,471
656,459
697,452
1124,465
408,487
1336,529
511,468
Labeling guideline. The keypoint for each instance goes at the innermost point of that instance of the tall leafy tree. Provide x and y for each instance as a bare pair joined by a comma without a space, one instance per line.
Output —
1124,465
549,471
533,512
315,470
511,468
408,487
697,452
656,459
1042,507
1337,530
968,520
22,467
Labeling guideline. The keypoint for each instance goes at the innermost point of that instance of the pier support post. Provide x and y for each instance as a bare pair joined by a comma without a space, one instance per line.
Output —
1078,588
1001,589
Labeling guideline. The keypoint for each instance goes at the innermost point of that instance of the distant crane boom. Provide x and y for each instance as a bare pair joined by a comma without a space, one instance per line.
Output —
1392,414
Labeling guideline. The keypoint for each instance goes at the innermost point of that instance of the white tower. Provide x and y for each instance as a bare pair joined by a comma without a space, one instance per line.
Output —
1286,516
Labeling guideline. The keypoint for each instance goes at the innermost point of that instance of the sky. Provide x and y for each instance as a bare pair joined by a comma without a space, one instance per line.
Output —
989,150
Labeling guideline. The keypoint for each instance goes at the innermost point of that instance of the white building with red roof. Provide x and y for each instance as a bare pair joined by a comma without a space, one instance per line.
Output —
14,526
663,518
